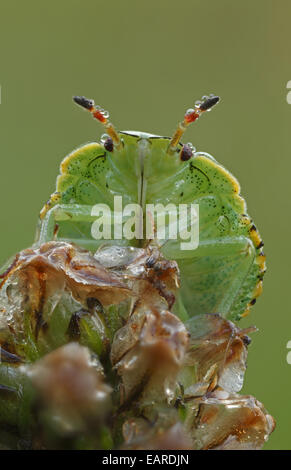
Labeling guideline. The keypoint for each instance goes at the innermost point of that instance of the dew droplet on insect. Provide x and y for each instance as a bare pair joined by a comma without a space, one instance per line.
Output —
190,111
103,138
204,98
105,114
198,103
191,146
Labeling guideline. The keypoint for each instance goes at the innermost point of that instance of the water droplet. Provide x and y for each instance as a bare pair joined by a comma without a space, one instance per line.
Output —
191,146
190,111
103,138
106,114
204,98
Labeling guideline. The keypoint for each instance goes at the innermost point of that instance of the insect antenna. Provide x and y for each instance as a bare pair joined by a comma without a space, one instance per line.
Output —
191,115
101,115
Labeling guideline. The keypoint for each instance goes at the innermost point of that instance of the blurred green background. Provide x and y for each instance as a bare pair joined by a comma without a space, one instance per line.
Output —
147,61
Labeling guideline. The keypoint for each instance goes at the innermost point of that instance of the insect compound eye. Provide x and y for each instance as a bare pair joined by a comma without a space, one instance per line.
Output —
107,142
108,145
186,152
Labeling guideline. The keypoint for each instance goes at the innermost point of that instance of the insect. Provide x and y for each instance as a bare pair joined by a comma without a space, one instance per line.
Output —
224,274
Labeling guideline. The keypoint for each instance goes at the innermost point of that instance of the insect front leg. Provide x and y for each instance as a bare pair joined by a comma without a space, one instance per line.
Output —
87,226
76,214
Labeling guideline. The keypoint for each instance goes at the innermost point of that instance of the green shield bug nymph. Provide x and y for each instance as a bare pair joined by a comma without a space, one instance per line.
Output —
224,273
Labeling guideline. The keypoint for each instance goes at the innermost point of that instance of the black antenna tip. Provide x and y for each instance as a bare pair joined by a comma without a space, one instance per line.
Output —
84,102
209,103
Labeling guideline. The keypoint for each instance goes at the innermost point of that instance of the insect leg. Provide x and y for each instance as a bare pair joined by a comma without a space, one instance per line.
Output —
60,213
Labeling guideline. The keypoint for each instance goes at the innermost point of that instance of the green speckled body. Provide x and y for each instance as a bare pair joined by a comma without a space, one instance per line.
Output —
224,274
